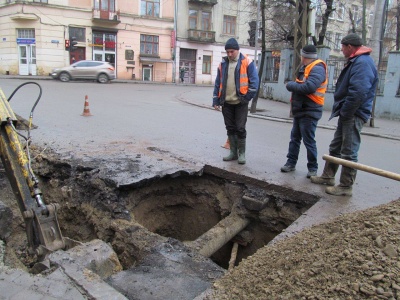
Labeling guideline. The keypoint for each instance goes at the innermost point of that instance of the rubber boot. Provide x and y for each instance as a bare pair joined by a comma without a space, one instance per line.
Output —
242,151
345,188
328,174
233,150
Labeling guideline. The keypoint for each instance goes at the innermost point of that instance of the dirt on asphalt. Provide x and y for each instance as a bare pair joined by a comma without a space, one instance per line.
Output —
355,256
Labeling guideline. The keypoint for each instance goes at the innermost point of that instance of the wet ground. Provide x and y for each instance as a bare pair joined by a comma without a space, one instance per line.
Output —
147,194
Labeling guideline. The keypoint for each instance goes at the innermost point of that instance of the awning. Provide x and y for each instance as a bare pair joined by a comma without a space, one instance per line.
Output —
154,60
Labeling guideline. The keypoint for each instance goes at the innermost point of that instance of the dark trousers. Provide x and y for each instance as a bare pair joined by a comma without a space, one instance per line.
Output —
235,118
303,128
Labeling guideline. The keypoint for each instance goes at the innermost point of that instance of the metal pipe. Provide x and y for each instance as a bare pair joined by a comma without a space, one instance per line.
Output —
211,241
361,167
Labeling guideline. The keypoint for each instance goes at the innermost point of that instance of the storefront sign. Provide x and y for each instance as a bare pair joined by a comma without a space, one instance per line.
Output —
26,41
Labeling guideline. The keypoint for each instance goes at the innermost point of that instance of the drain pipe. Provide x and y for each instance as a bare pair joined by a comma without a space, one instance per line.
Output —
211,241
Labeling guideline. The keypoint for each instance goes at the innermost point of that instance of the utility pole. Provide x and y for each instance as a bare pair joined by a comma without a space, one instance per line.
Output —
300,36
300,33
253,107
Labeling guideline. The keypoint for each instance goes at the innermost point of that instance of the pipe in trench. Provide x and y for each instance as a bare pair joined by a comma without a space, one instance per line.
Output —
211,241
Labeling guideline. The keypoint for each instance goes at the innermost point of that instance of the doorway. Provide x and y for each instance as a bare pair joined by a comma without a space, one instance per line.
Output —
27,59
147,73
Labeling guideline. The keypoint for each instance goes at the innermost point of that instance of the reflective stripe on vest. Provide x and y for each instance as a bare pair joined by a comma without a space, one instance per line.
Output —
318,95
243,78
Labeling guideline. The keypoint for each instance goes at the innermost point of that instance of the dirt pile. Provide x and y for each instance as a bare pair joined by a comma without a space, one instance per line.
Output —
355,256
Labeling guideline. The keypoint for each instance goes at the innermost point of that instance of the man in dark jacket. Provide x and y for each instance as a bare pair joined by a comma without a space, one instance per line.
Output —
308,92
354,94
235,86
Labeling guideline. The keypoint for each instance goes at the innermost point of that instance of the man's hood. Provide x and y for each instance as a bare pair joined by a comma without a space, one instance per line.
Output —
361,50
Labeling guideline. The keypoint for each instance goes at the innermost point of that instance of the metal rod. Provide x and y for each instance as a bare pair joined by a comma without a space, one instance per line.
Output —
361,167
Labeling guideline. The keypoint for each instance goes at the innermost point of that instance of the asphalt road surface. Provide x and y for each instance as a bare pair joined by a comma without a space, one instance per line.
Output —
129,117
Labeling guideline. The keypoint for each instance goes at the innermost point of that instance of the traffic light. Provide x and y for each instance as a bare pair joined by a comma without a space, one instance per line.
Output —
72,43
67,45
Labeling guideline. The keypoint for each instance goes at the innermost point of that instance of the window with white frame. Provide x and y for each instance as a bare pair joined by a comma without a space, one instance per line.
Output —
41,1
150,8
338,38
332,15
26,33
328,39
340,12
371,19
356,17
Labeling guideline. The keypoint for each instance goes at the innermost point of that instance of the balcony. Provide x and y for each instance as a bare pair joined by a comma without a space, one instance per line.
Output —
201,36
204,2
106,16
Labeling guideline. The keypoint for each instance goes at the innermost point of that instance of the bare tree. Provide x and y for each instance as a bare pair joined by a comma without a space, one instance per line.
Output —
325,19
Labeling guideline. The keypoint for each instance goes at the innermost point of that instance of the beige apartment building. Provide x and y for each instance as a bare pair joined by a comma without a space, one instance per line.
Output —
141,38
134,36
203,27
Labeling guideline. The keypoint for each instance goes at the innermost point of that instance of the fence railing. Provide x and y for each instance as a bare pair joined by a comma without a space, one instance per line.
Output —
335,67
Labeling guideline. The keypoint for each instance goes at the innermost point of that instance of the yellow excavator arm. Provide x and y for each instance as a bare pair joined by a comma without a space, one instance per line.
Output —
42,227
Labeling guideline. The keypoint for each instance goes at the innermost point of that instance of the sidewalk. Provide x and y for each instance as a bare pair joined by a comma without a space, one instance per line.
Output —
280,112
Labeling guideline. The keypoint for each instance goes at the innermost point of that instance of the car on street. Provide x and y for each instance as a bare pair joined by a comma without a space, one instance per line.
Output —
101,71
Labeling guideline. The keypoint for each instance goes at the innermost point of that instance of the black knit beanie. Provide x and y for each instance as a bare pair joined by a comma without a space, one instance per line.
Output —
309,51
232,44
352,39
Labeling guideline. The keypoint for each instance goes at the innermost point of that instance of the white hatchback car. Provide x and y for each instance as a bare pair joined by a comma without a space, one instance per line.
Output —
101,71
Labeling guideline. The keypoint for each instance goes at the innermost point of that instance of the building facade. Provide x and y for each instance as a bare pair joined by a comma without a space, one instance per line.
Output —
149,40
134,36
203,27
348,16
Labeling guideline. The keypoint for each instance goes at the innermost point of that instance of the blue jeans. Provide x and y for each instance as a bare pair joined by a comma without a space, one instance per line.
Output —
347,139
303,128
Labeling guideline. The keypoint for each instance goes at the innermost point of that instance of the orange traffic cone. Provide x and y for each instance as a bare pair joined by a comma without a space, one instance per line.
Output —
227,145
86,110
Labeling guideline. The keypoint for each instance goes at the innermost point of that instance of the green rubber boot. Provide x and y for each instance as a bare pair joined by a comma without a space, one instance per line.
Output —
242,151
233,154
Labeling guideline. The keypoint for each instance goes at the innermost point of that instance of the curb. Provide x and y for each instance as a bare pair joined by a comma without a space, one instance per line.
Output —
286,120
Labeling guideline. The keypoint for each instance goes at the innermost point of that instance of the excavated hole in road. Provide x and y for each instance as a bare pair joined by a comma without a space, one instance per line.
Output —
183,206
